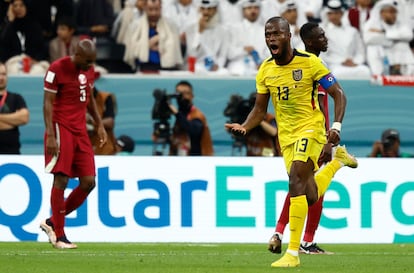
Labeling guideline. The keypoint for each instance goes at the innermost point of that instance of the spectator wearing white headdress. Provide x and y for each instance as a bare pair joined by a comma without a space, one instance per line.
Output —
230,12
387,35
154,43
312,9
132,11
248,48
345,56
207,39
289,11
183,13
272,8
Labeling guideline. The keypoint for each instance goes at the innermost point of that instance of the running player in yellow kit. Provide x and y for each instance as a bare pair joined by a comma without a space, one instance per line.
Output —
290,77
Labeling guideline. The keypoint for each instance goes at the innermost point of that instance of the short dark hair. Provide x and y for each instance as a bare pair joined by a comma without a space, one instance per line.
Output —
186,83
306,30
389,137
282,21
67,21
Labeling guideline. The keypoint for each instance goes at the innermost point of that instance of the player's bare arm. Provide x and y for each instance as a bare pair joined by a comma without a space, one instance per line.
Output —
377,149
326,154
254,118
338,95
93,110
51,143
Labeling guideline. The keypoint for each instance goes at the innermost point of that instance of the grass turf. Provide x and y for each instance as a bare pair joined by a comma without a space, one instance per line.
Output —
35,257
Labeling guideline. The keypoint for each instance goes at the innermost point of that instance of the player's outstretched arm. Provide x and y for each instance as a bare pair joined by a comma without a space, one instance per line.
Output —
236,129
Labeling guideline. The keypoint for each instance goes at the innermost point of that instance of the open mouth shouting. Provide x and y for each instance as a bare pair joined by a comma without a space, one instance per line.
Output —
274,49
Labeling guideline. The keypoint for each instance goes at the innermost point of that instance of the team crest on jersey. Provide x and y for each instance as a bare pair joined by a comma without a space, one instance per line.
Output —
297,74
82,78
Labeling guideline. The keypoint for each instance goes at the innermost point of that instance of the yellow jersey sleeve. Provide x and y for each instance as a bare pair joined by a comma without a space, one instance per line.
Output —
319,70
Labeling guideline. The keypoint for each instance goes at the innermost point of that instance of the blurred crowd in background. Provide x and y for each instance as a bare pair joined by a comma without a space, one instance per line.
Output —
366,37
206,37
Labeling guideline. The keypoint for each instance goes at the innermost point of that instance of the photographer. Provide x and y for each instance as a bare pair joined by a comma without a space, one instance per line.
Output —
190,133
107,109
389,146
261,140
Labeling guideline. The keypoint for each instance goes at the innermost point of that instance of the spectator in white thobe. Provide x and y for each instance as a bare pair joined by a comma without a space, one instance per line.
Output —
248,48
132,11
289,11
207,39
183,13
387,34
230,12
345,56
312,9
271,8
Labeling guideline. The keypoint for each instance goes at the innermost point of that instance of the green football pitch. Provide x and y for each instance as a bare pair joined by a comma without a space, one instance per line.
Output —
35,257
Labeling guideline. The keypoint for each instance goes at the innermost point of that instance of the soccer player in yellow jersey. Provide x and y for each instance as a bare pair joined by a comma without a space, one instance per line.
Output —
290,78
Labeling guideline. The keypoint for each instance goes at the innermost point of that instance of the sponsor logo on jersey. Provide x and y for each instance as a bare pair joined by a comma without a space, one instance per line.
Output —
50,76
82,79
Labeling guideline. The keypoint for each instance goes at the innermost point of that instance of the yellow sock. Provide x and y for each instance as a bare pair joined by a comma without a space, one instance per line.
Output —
297,214
324,177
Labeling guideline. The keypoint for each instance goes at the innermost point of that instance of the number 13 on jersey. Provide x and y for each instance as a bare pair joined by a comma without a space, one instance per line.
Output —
283,93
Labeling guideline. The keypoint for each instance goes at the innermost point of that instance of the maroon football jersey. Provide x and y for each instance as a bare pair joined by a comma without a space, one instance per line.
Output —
73,89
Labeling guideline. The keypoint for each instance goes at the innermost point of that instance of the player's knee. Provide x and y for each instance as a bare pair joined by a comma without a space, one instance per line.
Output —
312,193
312,199
90,185
60,181
87,184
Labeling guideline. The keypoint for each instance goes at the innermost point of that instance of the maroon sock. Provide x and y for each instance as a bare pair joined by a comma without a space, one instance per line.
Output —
314,216
75,199
57,201
284,216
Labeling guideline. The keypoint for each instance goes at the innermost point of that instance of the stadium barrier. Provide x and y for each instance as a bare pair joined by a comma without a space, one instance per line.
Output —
207,199
371,109
393,80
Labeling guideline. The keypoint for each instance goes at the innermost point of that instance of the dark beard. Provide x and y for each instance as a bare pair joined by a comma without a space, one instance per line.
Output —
282,53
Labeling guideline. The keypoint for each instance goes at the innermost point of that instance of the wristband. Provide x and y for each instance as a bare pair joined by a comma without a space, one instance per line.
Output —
336,126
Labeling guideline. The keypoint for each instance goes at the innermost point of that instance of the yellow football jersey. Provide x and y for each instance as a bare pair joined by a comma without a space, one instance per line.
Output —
294,94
